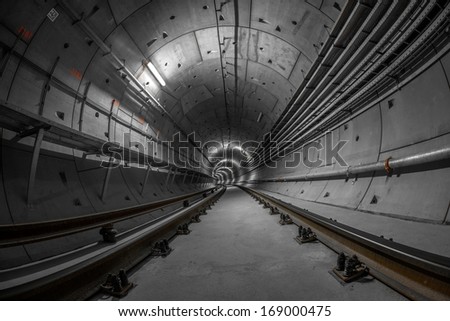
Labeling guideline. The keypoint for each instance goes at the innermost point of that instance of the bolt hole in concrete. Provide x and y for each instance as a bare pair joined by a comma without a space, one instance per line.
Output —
60,115
374,200
240,252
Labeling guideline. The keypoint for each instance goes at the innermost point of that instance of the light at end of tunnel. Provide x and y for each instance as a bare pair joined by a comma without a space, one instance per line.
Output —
156,73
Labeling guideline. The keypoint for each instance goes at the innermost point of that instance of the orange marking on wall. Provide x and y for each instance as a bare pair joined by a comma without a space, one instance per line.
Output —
24,33
141,120
76,73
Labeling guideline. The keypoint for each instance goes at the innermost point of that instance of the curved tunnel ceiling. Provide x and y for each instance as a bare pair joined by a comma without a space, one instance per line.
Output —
226,64
231,70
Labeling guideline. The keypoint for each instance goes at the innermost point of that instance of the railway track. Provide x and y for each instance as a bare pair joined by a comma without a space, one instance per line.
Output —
78,274
416,274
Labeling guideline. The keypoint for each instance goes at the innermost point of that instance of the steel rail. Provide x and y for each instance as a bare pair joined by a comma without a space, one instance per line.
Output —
20,234
417,274
80,277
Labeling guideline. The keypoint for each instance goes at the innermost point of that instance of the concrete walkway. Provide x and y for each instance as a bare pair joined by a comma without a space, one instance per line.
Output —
240,252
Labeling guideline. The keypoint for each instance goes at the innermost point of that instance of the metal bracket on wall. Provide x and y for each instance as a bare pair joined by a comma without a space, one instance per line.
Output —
46,87
29,132
83,103
34,163
107,178
168,176
110,116
147,174
174,175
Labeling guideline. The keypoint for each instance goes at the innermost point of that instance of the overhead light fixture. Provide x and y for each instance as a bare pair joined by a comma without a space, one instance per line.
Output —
156,74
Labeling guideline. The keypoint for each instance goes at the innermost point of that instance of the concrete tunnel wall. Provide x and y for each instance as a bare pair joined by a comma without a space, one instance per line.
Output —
417,121
69,185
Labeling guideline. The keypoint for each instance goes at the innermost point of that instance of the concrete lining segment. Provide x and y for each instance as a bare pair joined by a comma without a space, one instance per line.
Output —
239,252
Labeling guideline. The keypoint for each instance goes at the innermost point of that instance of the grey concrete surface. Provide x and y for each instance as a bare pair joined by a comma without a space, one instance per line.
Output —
240,252
433,238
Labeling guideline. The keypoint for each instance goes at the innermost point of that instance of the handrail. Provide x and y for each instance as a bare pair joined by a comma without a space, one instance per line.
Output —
25,233
424,275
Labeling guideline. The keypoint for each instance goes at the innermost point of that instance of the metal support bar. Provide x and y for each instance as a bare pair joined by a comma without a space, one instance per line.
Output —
34,163
83,103
174,175
147,174
29,132
184,177
168,176
110,116
46,87
107,177
192,178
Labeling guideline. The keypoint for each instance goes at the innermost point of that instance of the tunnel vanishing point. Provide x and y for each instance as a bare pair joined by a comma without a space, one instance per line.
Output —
123,122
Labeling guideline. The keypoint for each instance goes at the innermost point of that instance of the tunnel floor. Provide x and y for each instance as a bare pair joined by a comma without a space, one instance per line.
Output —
239,252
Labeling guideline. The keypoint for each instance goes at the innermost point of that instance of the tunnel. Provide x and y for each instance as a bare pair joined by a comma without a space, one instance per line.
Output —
225,150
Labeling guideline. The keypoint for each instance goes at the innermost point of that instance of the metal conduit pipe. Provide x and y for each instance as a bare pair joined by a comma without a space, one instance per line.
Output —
319,90
374,82
337,28
400,40
295,134
344,120
309,89
387,165
374,50
352,74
